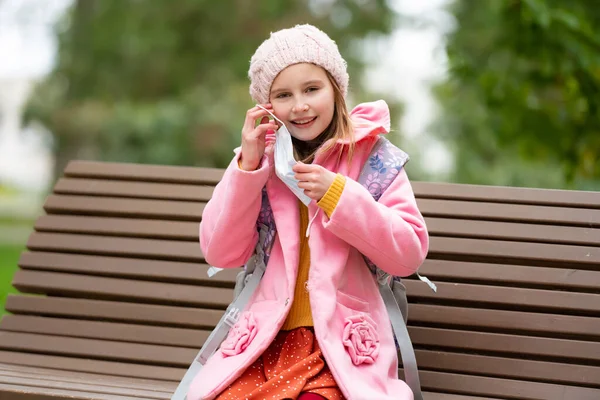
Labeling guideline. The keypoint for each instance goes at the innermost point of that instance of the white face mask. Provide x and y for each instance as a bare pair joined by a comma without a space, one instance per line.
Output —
284,160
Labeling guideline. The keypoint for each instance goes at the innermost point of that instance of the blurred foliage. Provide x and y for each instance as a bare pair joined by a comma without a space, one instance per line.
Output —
521,102
166,82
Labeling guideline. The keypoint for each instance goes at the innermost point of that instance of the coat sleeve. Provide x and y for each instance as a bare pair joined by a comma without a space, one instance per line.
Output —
391,232
228,232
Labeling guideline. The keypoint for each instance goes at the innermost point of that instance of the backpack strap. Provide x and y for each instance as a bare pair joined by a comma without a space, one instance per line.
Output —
383,165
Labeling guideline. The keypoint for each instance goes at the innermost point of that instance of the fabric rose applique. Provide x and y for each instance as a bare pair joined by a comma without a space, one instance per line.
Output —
361,339
240,336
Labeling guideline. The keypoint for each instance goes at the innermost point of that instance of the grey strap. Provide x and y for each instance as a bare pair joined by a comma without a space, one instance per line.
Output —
409,361
230,318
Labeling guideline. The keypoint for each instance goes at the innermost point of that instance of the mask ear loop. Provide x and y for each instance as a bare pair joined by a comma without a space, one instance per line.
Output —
273,115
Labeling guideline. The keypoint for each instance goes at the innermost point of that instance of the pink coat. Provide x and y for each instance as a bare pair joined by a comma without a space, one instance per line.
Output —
350,320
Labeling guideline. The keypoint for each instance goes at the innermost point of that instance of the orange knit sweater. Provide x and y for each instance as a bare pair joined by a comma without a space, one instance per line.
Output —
300,313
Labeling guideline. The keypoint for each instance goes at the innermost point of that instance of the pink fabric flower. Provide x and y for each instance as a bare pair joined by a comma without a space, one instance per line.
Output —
361,339
240,336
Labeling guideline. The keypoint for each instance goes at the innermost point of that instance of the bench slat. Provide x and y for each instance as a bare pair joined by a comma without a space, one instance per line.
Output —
131,227
453,340
501,367
172,293
93,389
162,315
503,388
107,188
514,275
105,245
514,252
192,210
438,270
75,376
160,270
157,228
440,247
555,325
97,349
176,356
547,300
506,194
112,206
28,281
105,330
144,172
121,369
211,176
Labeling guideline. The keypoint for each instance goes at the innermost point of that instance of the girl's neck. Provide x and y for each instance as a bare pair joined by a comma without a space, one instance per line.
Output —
305,150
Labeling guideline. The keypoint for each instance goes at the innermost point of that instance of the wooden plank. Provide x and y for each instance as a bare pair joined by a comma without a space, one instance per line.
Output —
192,211
113,206
193,272
20,392
195,175
505,344
510,212
110,368
75,376
94,287
502,321
103,187
503,388
144,172
507,195
506,321
502,367
521,298
161,315
422,337
133,333
513,275
440,248
176,356
121,267
129,227
167,356
541,254
523,232
187,251
30,281
40,384
157,228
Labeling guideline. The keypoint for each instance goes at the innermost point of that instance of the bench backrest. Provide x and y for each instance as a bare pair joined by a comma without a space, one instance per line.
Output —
118,283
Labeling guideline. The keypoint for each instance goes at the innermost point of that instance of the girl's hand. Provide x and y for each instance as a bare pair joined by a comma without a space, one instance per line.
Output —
253,136
314,179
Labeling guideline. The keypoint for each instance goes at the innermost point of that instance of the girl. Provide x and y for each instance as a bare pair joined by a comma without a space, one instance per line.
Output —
316,327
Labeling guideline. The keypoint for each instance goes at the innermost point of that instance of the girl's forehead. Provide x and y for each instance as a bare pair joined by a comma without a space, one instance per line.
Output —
298,74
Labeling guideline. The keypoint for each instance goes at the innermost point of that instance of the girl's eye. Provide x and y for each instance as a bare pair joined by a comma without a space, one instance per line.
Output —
312,89
282,95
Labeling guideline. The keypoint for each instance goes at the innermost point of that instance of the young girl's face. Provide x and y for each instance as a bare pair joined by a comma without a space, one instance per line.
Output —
303,98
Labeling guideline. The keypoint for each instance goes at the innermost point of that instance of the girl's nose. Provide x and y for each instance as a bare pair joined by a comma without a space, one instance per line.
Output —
303,107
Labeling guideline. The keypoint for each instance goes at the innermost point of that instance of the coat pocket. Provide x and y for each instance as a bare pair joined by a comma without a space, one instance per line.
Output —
352,302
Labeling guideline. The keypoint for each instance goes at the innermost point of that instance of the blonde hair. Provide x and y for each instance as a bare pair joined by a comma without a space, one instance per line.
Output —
339,128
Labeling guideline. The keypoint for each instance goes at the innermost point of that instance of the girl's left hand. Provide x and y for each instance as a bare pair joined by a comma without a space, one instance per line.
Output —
314,179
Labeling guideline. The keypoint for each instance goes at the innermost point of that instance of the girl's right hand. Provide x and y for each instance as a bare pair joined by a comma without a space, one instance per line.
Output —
253,136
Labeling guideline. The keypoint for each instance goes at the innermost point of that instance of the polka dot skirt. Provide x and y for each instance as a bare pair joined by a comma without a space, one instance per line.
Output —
292,365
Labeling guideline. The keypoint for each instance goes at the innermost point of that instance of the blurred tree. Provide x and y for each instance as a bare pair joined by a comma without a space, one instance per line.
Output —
166,82
521,102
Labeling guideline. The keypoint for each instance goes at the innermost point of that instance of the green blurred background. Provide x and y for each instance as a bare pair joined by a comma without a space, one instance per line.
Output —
166,82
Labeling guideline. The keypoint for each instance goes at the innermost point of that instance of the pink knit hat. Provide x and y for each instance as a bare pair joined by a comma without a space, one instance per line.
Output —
302,43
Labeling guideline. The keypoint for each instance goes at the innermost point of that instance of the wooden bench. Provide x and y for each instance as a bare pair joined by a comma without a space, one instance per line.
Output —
115,301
